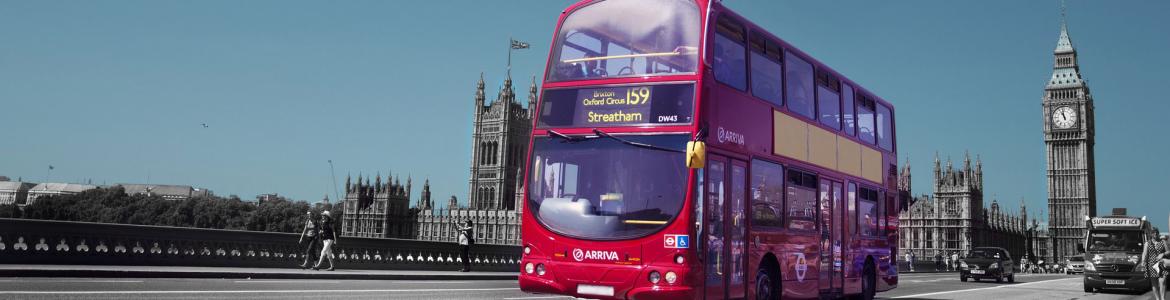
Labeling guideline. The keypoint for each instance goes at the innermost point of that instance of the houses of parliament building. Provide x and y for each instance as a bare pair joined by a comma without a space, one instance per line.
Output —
499,143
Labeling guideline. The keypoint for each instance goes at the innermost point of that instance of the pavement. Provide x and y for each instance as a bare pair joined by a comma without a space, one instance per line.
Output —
98,271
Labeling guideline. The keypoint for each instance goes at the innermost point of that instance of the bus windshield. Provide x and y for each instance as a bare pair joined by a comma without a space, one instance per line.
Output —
600,188
623,38
1115,240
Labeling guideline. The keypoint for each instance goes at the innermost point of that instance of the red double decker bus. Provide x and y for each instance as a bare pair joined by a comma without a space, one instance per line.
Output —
681,152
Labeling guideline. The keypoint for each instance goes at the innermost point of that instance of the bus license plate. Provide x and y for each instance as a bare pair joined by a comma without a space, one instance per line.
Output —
1114,282
976,271
599,290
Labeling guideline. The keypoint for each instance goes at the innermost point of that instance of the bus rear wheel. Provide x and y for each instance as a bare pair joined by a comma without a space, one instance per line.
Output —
767,284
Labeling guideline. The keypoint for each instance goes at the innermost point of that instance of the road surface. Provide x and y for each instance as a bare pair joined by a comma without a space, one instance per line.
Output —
913,286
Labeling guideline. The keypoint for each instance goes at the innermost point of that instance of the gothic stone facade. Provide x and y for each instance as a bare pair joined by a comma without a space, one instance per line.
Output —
1068,141
955,218
499,145
380,210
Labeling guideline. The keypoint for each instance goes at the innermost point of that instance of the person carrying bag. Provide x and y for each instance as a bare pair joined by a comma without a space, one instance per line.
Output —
1154,255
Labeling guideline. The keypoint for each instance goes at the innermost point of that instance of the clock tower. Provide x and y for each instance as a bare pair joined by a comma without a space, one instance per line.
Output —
1068,140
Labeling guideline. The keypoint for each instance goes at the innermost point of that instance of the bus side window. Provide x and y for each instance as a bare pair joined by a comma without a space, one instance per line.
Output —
885,128
767,191
767,73
799,82
828,99
865,126
801,196
850,123
867,212
852,216
728,53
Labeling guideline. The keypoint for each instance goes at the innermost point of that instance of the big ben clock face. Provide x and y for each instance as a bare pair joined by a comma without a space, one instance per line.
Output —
1064,117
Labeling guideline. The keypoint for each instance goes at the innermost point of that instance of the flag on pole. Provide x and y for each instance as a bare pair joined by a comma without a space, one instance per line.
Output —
519,45
50,167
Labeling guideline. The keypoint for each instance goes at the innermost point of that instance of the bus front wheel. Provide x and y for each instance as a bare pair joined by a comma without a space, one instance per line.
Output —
767,284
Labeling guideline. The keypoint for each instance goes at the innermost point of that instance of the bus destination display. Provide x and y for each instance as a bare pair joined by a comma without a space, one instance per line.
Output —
618,106
623,105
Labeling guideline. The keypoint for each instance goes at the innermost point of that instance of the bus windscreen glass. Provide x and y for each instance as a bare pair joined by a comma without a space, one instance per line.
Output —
600,188
662,104
626,38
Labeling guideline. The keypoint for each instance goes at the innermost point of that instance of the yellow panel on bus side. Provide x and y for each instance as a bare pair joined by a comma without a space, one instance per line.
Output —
871,164
822,147
790,136
848,156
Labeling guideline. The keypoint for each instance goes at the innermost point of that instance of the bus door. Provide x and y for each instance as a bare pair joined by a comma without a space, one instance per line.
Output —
831,260
724,238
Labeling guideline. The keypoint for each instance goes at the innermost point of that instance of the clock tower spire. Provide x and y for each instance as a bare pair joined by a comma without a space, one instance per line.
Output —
1068,139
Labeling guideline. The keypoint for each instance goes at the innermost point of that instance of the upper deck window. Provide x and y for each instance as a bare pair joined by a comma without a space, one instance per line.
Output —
865,126
828,99
799,79
850,122
767,73
728,55
624,38
885,127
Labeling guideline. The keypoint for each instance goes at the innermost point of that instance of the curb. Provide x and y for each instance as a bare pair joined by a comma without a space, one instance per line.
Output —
246,275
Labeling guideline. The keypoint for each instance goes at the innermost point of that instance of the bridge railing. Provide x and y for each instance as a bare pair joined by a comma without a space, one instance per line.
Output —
24,241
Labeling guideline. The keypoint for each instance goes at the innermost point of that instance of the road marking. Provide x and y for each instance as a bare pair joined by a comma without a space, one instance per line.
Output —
285,281
247,292
980,289
73,281
540,297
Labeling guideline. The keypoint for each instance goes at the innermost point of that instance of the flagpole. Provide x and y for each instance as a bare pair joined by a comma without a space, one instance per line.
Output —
510,42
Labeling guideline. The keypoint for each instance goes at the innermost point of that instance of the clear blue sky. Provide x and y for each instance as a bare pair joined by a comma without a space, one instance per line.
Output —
115,91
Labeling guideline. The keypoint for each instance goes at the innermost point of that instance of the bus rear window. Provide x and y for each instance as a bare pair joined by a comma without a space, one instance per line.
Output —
626,38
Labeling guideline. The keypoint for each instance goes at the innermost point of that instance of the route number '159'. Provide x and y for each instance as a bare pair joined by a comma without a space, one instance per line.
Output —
638,95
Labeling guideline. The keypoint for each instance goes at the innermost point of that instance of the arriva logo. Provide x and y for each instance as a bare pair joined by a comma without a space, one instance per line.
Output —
728,136
581,255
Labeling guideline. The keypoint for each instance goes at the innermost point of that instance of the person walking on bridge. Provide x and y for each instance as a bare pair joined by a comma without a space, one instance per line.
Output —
309,239
1154,253
328,238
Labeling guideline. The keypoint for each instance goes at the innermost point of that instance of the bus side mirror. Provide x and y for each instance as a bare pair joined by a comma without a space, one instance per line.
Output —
696,154
1081,248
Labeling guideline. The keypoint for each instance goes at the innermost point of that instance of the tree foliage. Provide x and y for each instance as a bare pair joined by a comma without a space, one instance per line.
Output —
113,205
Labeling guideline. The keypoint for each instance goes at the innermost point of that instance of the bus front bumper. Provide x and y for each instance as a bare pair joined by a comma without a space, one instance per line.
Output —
1128,280
546,284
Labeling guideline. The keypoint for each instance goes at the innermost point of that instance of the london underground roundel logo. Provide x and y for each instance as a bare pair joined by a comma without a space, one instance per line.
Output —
578,254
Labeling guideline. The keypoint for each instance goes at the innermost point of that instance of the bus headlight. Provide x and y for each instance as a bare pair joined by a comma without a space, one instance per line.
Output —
527,250
671,277
528,268
655,276
678,259
540,269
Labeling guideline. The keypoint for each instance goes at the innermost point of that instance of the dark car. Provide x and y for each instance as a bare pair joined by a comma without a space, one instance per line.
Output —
988,263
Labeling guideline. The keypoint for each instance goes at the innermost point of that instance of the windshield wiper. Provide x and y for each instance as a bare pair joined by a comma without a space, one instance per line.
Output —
635,144
565,137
